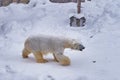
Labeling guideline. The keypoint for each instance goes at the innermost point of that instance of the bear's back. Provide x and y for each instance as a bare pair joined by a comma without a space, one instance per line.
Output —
44,42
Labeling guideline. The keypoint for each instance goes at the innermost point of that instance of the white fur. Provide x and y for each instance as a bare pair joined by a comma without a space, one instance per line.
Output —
43,44
46,43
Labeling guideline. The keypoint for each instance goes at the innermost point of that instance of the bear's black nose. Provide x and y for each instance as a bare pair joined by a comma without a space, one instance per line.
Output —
81,47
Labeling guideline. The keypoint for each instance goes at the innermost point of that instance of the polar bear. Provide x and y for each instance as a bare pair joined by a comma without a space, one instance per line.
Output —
43,44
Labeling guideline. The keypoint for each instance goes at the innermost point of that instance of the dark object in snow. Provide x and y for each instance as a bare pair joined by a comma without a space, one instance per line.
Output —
50,77
9,69
7,2
78,21
65,1
94,61
78,18
91,36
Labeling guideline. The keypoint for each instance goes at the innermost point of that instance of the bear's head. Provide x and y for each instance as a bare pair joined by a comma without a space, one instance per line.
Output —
77,46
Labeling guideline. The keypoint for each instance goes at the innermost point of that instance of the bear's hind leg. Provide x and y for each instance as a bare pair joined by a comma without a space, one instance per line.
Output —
25,53
39,57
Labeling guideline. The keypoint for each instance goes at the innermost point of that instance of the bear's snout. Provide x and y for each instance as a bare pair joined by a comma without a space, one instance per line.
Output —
81,47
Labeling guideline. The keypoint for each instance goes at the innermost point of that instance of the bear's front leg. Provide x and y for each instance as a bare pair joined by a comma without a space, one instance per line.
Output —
62,59
39,57
55,59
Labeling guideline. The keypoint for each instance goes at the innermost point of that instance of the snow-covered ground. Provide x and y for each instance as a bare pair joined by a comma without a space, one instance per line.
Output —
100,36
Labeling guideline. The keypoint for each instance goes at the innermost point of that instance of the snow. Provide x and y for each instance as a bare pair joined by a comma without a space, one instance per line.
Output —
100,36
76,15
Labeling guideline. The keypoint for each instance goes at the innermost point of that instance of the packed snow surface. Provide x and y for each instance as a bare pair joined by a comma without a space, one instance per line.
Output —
100,36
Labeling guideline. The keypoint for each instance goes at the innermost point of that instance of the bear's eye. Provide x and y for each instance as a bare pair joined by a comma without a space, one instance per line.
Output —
76,46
